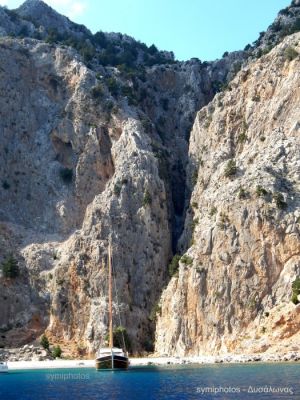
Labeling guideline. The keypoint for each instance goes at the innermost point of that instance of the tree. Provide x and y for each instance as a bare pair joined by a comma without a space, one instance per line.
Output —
45,342
56,352
147,200
120,337
153,49
10,268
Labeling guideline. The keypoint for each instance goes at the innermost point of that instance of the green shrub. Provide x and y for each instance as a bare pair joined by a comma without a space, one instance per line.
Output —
213,211
87,52
195,177
296,291
279,200
10,268
185,259
230,168
66,175
155,310
56,351
117,189
223,221
174,265
147,200
120,337
294,299
45,342
97,91
237,67
260,191
290,53
242,137
108,106
129,93
296,285
113,86
100,39
242,193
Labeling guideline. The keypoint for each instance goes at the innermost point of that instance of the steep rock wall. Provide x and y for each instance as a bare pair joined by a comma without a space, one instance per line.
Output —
233,290
73,173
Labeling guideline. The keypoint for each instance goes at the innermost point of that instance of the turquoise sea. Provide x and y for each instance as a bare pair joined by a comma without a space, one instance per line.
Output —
251,381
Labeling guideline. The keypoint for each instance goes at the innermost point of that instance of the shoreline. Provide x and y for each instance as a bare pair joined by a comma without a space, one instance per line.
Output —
159,361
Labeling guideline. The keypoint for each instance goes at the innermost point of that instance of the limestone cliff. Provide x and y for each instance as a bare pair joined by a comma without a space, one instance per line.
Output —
73,174
234,286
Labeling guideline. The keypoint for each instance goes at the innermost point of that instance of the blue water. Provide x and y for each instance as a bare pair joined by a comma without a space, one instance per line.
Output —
174,383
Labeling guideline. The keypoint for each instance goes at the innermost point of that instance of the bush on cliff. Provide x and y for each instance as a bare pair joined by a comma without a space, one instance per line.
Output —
174,264
230,168
56,352
296,291
45,342
10,268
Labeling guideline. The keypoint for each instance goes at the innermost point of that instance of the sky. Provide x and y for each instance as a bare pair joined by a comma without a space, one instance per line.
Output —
192,28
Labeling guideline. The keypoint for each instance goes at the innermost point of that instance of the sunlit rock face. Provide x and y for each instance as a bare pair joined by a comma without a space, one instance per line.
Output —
233,294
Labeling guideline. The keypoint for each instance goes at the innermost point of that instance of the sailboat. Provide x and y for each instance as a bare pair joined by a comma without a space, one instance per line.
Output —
111,357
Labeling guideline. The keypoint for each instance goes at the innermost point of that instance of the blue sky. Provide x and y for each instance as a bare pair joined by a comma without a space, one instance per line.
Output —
191,28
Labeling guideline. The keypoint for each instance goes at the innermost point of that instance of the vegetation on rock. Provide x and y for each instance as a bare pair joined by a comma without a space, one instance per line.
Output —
296,291
10,267
45,342
174,265
56,352
230,168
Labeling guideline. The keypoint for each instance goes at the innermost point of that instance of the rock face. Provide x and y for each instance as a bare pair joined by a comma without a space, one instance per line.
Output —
92,150
72,176
25,353
88,154
286,23
233,290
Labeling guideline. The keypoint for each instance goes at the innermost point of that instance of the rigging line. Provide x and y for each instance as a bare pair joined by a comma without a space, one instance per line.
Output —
106,278
117,298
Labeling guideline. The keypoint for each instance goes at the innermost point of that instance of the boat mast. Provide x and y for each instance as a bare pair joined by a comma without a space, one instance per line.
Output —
111,344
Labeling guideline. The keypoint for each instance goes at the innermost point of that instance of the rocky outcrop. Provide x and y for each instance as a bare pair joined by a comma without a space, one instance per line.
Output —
234,286
25,353
286,23
42,15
